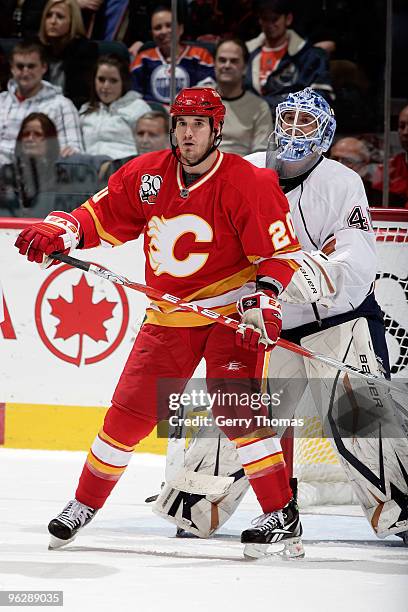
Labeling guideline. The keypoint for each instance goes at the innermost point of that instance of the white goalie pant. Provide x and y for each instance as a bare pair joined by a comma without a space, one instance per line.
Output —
359,418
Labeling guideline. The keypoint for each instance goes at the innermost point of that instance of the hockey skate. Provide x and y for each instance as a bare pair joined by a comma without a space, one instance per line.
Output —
65,526
279,526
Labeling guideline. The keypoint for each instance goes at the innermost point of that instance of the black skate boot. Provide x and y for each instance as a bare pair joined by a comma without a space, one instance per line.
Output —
65,526
279,526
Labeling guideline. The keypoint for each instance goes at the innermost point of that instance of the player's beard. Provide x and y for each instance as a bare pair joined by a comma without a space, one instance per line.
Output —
194,154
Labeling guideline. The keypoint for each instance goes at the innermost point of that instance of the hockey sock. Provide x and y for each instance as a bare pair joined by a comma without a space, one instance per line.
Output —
262,459
272,490
110,454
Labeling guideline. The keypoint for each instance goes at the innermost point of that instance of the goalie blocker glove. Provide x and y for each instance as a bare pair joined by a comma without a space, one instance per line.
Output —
317,280
59,232
261,313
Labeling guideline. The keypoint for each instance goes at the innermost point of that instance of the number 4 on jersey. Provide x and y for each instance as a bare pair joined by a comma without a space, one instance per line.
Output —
358,220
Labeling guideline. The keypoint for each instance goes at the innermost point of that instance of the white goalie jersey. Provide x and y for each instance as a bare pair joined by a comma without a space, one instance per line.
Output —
332,215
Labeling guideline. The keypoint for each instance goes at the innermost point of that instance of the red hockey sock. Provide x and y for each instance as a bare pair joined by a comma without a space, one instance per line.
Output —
272,490
263,462
110,454
92,490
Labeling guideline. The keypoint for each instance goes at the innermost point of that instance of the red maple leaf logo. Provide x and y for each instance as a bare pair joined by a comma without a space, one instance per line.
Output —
81,316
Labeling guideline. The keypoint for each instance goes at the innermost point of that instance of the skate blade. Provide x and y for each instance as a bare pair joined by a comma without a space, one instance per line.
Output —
292,549
56,543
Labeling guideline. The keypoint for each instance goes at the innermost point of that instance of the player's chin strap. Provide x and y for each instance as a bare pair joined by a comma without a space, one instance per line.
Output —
216,143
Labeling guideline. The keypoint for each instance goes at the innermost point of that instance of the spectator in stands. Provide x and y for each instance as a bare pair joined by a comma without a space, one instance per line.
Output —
151,134
248,120
28,93
355,154
151,66
71,56
32,173
109,118
280,60
22,18
398,167
93,15
116,19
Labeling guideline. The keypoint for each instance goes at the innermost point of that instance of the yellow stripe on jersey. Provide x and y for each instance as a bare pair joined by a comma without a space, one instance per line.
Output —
254,259
226,284
183,318
292,248
215,289
101,232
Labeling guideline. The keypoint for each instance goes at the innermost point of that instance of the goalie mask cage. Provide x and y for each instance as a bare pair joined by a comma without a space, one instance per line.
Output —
321,478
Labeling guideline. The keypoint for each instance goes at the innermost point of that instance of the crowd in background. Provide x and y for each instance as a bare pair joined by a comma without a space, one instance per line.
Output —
85,85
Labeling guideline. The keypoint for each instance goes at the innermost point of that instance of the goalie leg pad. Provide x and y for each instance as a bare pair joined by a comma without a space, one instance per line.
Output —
201,515
287,376
213,483
373,447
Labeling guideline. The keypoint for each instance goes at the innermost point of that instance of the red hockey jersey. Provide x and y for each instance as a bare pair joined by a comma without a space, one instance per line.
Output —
204,243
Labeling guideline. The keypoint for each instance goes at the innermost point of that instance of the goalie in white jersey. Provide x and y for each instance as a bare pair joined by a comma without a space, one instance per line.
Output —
331,217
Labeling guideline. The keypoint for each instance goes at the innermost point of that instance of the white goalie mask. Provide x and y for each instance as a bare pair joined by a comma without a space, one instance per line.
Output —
304,129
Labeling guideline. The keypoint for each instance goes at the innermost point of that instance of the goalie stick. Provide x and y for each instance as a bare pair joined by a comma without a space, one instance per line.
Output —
156,294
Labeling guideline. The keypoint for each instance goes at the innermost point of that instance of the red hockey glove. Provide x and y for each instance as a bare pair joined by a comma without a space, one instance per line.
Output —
59,231
262,313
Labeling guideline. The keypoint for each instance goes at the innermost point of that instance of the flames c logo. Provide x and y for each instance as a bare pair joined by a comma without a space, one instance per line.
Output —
164,234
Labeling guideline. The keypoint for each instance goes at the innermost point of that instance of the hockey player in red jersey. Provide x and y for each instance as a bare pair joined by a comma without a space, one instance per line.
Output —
218,231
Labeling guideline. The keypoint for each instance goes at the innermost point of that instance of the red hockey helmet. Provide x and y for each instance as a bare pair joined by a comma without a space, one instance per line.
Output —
200,101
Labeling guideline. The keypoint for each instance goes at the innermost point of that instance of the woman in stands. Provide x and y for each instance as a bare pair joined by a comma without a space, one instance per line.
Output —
109,118
151,66
29,183
71,56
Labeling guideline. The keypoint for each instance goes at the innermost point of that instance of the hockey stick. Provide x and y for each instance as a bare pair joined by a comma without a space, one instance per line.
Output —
219,318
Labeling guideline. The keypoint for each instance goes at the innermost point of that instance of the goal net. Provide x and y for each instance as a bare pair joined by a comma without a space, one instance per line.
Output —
321,479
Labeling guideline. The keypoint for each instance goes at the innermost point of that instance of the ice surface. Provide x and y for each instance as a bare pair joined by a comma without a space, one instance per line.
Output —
129,557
